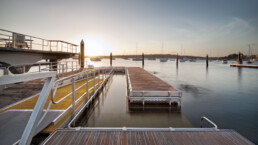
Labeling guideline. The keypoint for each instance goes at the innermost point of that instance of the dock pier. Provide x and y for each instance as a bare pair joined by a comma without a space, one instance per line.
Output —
143,87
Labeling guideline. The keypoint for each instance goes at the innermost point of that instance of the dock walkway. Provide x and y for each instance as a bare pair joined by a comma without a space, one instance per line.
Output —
65,137
244,65
143,86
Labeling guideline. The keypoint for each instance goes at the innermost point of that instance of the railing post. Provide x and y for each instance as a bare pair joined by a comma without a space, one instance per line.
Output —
66,66
99,78
39,68
94,81
87,86
72,66
30,43
62,70
73,96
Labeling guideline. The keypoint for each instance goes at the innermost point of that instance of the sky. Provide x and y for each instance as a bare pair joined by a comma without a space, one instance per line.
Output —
188,27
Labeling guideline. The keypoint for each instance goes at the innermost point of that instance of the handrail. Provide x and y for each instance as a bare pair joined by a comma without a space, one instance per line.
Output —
110,74
35,43
205,118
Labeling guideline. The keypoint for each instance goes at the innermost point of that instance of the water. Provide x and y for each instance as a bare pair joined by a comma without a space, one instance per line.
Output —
226,95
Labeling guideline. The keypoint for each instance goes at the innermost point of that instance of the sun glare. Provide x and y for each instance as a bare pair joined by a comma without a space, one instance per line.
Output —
95,46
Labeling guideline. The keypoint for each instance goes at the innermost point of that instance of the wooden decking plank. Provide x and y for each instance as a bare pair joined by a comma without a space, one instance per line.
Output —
150,137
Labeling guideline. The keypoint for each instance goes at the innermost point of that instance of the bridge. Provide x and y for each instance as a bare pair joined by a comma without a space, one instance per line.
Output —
17,48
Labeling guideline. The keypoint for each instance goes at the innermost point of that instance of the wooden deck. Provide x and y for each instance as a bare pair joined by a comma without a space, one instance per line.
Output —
143,87
66,137
142,80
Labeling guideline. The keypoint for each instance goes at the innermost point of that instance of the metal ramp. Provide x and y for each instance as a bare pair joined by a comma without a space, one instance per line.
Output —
12,129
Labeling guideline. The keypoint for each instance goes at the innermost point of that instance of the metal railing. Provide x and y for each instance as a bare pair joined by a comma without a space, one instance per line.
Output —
59,67
89,100
11,39
205,118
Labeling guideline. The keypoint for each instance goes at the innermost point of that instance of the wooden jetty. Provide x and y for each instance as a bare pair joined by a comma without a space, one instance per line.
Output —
126,136
244,65
144,87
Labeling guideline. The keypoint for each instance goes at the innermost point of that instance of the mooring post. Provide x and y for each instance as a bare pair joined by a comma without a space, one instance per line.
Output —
142,59
240,61
207,60
82,54
177,60
111,59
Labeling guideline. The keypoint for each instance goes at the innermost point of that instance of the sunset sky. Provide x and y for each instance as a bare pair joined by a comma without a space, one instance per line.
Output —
199,27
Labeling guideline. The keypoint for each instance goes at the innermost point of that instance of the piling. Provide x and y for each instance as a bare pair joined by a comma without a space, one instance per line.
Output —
82,54
142,59
207,60
177,60
111,59
240,60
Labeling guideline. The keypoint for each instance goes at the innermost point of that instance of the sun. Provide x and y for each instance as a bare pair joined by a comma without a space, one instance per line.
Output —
94,46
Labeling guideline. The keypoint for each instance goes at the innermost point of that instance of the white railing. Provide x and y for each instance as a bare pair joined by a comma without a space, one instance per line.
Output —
9,39
31,126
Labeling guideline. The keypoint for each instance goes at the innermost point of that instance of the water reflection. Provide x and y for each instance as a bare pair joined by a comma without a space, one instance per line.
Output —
112,111
239,74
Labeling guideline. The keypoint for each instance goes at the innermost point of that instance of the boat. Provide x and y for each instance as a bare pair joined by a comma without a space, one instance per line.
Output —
95,59
137,59
183,60
125,58
224,61
163,59
151,58
192,60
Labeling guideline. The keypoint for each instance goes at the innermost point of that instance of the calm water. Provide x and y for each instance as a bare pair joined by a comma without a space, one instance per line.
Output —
226,95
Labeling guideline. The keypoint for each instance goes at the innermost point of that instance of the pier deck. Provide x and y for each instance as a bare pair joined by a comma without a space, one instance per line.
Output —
145,87
244,65
24,108
142,137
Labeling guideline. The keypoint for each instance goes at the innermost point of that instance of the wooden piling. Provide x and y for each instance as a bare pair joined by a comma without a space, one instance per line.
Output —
177,60
142,59
207,60
239,60
111,59
82,55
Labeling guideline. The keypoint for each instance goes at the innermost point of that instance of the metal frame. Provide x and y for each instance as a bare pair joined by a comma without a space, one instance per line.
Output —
205,118
35,43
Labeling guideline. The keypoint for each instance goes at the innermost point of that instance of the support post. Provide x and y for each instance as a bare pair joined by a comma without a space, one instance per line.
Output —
73,96
240,61
177,60
82,54
143,60
87,86
94,81
207,60
111,59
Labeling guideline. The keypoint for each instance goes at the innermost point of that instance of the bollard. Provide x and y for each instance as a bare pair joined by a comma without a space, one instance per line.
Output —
177,60
111,59
207,60
142,60
82,55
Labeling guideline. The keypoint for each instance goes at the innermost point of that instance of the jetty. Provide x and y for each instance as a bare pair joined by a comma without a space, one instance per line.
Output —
144,87
244,65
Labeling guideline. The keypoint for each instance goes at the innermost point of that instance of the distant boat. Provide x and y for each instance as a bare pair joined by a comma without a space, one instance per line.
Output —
250,61
152,58
95,59
183,60
192,60
125,58
224,61
163,59
137,59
